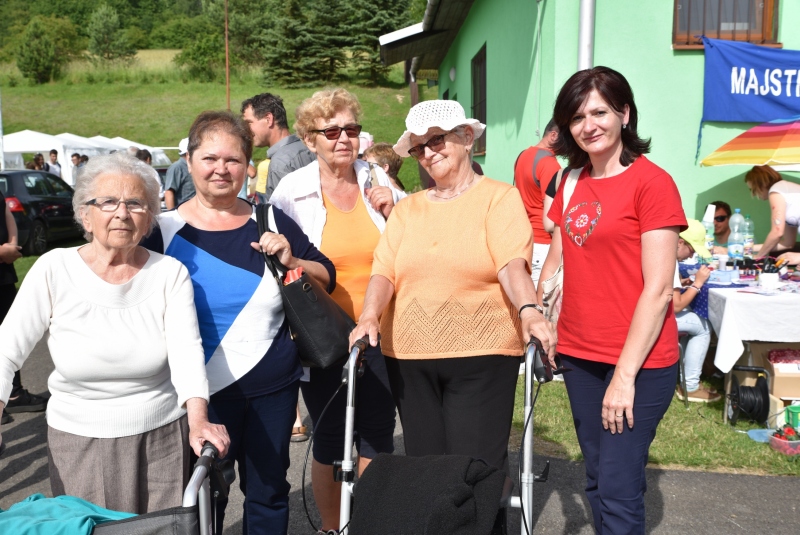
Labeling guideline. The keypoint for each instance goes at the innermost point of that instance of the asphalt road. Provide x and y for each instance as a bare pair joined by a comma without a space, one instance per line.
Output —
677,501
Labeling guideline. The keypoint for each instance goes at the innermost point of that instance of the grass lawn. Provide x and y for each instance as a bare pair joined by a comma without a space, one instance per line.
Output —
693,438
146,103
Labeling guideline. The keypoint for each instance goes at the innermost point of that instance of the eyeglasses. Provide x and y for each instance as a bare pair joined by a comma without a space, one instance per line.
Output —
435,144
720,218
110,204
334,132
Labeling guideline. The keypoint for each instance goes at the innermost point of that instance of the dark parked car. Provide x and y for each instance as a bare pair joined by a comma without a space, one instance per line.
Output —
42,208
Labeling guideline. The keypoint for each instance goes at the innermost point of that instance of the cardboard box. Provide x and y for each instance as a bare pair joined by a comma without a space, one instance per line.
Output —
784,384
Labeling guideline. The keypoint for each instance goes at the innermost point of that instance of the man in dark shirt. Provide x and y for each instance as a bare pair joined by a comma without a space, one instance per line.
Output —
267,119
20,400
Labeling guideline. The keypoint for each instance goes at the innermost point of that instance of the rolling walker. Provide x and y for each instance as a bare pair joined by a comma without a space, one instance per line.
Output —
537,367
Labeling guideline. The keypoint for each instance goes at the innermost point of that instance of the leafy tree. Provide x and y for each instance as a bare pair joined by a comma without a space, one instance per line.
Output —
285,49
204,57
36,56
68,43
137,37
371,19
107,41
178,32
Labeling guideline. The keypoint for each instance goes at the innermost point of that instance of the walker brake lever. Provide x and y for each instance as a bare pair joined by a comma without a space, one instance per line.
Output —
542,369
541,365
560,370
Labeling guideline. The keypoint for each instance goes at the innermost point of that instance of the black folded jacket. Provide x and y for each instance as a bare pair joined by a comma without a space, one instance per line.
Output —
433,495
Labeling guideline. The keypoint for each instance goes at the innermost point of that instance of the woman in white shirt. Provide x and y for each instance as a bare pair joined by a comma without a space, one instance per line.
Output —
766,183
122,332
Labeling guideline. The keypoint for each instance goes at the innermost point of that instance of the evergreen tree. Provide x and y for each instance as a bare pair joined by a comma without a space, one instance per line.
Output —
329,26
286,44
36,56
107,40
371,19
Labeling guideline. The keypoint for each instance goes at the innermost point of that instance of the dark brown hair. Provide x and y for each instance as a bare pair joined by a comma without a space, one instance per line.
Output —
722,205
267,103
220,121
615,90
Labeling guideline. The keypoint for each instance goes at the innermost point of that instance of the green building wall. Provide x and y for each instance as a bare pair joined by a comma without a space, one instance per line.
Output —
631,36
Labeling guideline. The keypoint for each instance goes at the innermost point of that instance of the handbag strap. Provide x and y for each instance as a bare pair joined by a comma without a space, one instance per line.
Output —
569,187
373,175
265,219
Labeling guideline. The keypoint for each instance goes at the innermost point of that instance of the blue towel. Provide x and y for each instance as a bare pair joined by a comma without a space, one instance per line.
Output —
64,515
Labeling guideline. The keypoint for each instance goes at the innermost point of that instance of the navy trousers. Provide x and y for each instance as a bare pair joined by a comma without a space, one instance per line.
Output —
260,428
615,464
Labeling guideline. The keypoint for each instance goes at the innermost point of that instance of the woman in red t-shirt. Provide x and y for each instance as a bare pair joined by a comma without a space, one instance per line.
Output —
616,333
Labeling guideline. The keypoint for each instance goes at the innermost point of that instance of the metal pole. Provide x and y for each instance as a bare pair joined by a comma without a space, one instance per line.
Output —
227,62
526,477
347,462
2,152
586,35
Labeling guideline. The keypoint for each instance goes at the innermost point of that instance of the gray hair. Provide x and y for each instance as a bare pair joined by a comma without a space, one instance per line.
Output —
116,164
459,131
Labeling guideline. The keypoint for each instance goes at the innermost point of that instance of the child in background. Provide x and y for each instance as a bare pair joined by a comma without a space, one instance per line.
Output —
690,241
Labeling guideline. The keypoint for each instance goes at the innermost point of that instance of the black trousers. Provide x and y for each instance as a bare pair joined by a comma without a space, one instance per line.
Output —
457,406
7,294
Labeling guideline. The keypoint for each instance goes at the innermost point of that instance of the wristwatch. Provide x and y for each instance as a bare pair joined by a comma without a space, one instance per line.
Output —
530,305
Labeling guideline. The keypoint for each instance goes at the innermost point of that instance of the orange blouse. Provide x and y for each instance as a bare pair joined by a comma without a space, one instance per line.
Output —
348,240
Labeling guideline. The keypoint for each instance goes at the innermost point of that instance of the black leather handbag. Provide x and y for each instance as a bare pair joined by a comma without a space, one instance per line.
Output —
318,325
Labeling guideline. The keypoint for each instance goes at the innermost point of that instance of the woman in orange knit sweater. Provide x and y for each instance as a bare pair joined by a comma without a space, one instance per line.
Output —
451,295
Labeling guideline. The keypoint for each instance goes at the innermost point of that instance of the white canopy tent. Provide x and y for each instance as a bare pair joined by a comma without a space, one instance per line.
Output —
105,147
30,141
159,157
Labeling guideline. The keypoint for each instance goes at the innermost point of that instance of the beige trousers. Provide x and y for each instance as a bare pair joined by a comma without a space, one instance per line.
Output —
136,474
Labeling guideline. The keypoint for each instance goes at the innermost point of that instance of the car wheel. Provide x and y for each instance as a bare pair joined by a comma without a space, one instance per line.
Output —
37,240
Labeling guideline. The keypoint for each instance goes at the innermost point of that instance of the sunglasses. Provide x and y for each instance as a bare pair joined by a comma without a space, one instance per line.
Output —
435,144
335,132
720,218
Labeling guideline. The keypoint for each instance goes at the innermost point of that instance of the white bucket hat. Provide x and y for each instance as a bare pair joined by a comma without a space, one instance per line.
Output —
445,114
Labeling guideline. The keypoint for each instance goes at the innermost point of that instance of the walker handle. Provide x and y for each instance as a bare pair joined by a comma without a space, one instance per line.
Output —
209,450
361,344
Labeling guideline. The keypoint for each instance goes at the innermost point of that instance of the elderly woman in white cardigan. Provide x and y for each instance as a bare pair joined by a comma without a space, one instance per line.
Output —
122,331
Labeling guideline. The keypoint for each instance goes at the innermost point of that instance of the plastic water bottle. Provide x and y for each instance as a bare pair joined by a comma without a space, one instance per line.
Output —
749,236
736,238
709,225
737,221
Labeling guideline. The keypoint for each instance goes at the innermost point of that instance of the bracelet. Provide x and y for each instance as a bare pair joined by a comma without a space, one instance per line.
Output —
695,288
530,305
